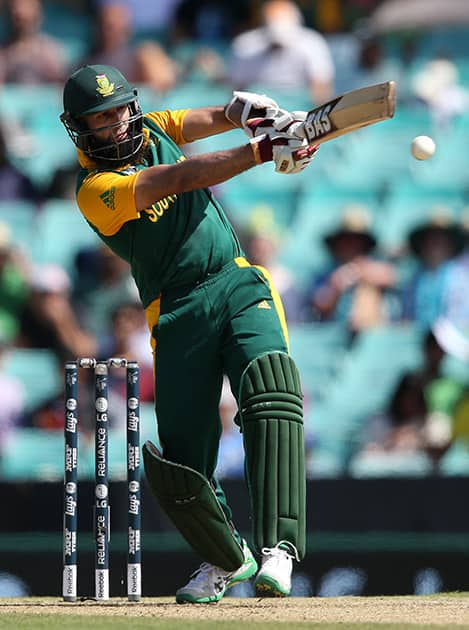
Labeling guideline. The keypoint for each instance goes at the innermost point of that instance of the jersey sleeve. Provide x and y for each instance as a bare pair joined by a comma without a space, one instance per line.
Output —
107,200
170,121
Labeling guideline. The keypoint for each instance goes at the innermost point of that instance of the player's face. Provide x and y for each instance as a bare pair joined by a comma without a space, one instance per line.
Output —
112,124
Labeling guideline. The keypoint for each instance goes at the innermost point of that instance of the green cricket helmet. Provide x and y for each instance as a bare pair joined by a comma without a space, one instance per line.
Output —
93,89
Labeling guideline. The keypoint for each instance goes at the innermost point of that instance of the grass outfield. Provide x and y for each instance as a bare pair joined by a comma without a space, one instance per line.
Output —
440,612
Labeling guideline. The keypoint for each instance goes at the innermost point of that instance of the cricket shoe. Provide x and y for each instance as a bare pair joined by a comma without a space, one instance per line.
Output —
209,583
274,577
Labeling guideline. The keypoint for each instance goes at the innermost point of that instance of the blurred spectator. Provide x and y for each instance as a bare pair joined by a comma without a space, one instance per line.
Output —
202,64
152,18
443,394
13,398
401,426
29,55
434,244
418,419
123,340
63,183
13,285
439,87
103,281
263,241
231,451
282,53
128,338
353,289
49,413
373,65
146,63
460,417
210,22
452,327
433,355
48,319
14,184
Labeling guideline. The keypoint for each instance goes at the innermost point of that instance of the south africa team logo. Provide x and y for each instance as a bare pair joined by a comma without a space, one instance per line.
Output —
105,87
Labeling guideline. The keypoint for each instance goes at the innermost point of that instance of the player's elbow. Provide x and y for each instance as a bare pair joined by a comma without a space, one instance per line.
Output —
157,183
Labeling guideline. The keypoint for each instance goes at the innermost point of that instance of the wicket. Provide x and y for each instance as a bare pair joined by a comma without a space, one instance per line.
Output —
101,506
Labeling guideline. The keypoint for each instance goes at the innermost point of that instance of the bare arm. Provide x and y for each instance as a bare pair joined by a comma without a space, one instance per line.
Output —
205,121
194,173
158,182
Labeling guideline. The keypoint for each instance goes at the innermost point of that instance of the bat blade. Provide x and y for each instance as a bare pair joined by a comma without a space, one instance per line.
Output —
350,111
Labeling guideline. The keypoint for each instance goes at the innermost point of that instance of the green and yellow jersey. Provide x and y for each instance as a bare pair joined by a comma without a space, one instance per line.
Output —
175,242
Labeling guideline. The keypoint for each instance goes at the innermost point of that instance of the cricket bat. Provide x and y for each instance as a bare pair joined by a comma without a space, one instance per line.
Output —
353,110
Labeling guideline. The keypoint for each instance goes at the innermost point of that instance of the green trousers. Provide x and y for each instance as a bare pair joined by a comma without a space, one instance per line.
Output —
217,327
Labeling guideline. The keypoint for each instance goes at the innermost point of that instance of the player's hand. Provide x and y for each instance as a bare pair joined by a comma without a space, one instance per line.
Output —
291,123
246,105
288,124
290,155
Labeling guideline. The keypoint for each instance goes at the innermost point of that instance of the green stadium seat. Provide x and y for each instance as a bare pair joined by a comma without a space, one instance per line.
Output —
332,431
448,166
410,204
37,109
372,465
30,103
61,233
150,101
377,154
323,464
291,99
33,454
39,372
20,217
455,462
243,202
195,95
318,350
319,211
370,371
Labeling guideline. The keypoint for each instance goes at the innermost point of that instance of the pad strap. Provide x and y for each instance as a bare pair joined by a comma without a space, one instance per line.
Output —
191,503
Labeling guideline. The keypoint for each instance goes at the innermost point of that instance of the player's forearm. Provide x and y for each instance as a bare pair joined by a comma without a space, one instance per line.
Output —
204,122
200,171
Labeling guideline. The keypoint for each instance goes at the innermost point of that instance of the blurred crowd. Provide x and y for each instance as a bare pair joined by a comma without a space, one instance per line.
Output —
92,309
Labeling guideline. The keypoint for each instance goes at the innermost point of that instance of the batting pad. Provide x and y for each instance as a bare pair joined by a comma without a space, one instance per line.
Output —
190,502
272,424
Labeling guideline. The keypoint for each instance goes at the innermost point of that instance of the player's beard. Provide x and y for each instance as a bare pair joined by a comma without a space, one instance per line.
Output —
107,157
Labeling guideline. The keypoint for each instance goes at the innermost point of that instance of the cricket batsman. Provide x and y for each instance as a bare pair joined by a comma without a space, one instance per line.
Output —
209,311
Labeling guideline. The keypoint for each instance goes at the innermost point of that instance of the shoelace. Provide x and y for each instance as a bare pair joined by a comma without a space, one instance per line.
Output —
277,552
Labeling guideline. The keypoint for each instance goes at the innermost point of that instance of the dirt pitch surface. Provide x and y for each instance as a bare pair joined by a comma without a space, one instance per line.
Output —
441,609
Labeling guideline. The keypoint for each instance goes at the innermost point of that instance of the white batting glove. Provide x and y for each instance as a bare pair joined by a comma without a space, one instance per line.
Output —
246,105
291,123
290,159
290,155
286,124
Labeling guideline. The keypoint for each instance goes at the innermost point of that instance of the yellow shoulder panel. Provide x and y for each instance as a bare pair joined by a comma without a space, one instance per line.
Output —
171,122
107,200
